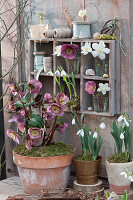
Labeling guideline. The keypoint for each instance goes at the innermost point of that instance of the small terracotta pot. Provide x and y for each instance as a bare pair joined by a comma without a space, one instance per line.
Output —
117,182
87,171
39,173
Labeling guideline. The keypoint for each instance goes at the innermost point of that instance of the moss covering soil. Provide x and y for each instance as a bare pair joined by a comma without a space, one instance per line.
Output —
84,158
55,149
115,158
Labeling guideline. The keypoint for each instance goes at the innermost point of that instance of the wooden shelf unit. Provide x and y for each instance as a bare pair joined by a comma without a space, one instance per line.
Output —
49,83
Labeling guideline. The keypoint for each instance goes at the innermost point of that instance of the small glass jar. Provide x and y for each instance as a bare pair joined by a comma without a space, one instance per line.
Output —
73,65
100,102
101,67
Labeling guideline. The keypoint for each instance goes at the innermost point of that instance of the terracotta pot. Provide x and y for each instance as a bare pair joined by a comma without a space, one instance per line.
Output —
117,182
38,173
87,171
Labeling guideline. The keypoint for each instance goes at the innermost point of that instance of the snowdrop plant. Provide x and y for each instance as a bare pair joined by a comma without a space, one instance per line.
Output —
91,142
122,134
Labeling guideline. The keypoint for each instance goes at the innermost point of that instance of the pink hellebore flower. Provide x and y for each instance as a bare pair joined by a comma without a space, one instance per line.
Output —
29,142
90,87
11,106
12,87
63,127
13,135
62,99
35,86
69,51
35,133
23,113
19,121
47,98
55,110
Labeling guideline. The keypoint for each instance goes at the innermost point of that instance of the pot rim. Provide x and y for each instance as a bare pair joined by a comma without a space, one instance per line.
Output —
124,163
86,161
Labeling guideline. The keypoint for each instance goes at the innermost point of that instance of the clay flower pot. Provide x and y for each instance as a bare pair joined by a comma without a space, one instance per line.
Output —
39,173
87,171
117,182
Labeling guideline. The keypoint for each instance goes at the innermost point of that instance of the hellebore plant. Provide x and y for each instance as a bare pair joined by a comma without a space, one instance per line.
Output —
91,142
33,114
122,134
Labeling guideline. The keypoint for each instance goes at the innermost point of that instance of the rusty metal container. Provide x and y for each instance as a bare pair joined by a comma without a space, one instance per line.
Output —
87,171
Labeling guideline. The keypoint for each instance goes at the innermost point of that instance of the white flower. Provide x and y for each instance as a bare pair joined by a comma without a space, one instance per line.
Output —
126,122
86,48
103,88
58,50
122,136
73,121
102,125
90,132
63,73
81,133
50,73
120,118
57,73
130,178
100,50
82,13
95,135
123,118
124,174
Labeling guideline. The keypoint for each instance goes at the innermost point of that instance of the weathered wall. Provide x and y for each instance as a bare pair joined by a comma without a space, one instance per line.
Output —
100,11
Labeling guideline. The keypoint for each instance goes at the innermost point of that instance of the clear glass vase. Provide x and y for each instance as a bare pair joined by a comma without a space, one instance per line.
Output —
101,67
100,102
73,65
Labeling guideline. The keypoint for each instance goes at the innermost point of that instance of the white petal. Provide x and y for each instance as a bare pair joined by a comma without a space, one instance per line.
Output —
121,136
99,89
73,121
102,125
82,133
95,46
101,44
124,174
100,84
57,72
126,122
95,135
120,118
94,53
130,178
103,92
102,56
106,50
63,73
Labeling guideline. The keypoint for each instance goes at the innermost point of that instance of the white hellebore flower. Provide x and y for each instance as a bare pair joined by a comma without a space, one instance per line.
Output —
100,50
57,73
86,48
130,178
58,50
73,121
123,118
102,125
63,73
82,13
103,88
122,136
124,174
80,132
95,135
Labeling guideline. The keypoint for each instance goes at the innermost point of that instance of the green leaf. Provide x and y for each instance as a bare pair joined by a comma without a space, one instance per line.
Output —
107,195
36,121
81,120
26,98
124,197
18,104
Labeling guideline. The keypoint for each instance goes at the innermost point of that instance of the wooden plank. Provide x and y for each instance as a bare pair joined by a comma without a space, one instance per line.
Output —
95,78
31,59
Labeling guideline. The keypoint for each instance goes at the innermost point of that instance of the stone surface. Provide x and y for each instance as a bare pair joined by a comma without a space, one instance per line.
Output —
10,187
88,189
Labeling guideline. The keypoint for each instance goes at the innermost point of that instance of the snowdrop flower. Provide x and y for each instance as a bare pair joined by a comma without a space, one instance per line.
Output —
130,178
90,132
95,135
122,136
82,13
103,88
102,125
63,73
100,50
124,174
123,118
50,73
80,132
73,121
58,50
86,48
57,73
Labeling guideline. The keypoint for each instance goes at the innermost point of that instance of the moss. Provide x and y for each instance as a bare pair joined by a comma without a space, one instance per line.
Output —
87,158
54,149
115,158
